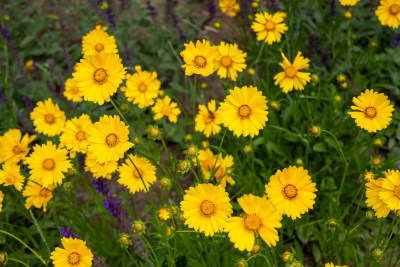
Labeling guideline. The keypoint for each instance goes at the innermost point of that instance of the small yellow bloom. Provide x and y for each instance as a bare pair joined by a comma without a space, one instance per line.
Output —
74,253
388,13
29,65
347,15
105,169
348,2
230,61
98,42
75,134
13,148
199,58
269,27
37,195
390,192
373,191
208,120
164,214
166,108
11,175
72,92
229,7
48,118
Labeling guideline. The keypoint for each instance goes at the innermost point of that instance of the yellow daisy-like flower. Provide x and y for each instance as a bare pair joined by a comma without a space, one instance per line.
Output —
390,192
37,195
109,139
98,41
11,175
261,218
13,148
244,111
72,92
131,177
291,77
142,87
373,111
99,170
1,200
74,254
99,76
199,58
388,13
372,193
333,265
75,134
208,120
348,2
230,61
47,164
48,118
269,27
291,191
166,107
206,208
229,7
164,214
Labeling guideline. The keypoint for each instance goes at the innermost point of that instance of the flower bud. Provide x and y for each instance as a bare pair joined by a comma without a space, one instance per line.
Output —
377,254
204,144
184,166
192,151
248,149
168,231
165,182
136,141
369,177
71,172
315,130
286,256
341,78
347,15
338,98
188,138
138,226
123,108
124,240
3,258
256,248
344,85
68,186
299,162
251,72
182,218
164,214
255,4
153,132
378,143
174,210
376,161
241,263
370,215
217,25
314,78
275,105
203,85
332,223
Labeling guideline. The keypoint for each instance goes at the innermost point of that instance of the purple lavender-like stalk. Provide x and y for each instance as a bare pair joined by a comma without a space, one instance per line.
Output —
396,41
111,18
4,31
67,57
111,205
68,232
152,10
333,7
101,185
60,79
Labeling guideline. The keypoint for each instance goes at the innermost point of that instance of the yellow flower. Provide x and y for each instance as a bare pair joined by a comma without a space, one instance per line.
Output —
47,164
98,41
142,87
348,2
230,61
74,253
13,148
374,188
47,118
108,139
390,192
1,200
229,7
166,107
244,111
206,208
11,175
331,264
388,13
290,77
98,170
373,111
37,195
99,76
30,65
72,92
131,177
291,191
199,58
269,27
208,120
261,218
75,134
164,214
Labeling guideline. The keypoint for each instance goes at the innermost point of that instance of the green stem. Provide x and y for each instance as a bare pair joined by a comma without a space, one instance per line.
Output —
392,232
39,230
194,106
151,249
167,152
20,262
262,255
130,256
337,142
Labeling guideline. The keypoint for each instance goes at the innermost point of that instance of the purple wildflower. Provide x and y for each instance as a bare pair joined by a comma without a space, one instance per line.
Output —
67,57
152,9
111,205
4,31
101,185
396,41
28,102
111,18
333,7
68,232
325,59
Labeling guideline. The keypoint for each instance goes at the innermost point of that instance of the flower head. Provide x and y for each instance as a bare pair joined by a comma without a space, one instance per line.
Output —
13,148
72,92
37,195
230,61
11,175
199,58
75,134
374,188
166,108
390,192
388,13
229,7
208,120
348,2
48,118
98,41
74,253
105,169
269,27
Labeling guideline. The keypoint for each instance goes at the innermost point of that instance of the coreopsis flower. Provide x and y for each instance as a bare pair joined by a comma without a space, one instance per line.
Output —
230,61
37,195
291,191
166,108
208,120
333,265
390,192
47,163
348,2
75,134
109,139
105,169
373,111
373,189
261,218
13,148
206,208
269,27
388,13
98,41
199,58
164,214
142,87
74,253
11,175
244,111
72,92
99,76
48,118
291,77
133,178
229,7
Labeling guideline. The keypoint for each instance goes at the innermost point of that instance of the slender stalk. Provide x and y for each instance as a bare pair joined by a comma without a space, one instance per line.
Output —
261,255
337,142
39,230
391,233
194,106
151,248
20,262
130,256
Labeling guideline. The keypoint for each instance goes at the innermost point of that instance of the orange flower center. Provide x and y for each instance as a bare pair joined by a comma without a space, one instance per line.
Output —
207,208
49,118
290,71
74,90
49,164
290,191
200,62
244,112
81,135
142,87
17,150
44,193
370,112
112,140
209,118
396,191
252,222
99,47
269,25
226,61
166,110
376,161
73,258
137,173
100,76
394,9
10,179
